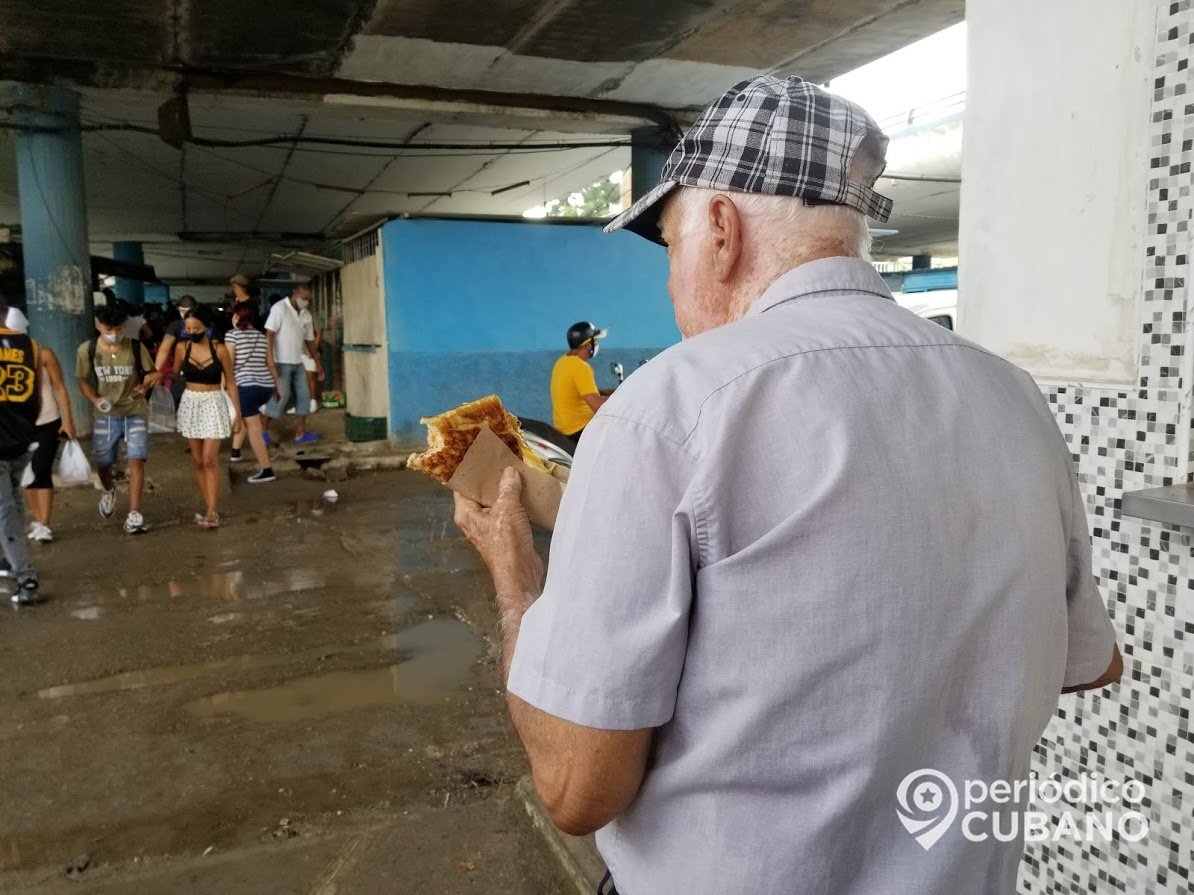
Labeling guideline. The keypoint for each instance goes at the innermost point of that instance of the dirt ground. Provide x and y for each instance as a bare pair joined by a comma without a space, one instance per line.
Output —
305,700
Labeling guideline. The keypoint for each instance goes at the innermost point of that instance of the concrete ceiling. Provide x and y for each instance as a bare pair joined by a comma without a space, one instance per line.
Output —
519,73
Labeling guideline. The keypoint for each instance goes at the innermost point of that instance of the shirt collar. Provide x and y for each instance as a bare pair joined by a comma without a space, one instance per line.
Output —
821,276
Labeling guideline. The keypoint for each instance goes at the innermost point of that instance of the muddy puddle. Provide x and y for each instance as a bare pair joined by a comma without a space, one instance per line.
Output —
176,674
441,655
230,587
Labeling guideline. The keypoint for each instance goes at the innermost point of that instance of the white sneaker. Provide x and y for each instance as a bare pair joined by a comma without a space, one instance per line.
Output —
314,406
135,524
107,503
41,533
290,412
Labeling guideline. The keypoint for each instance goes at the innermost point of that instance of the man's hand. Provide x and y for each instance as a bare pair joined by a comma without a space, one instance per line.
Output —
502,535
585,776
150,380
68,429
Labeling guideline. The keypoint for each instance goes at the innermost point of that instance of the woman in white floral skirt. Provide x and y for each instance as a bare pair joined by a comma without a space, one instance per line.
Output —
203,413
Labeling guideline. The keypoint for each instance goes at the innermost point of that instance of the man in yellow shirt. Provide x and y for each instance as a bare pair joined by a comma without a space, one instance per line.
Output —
574,393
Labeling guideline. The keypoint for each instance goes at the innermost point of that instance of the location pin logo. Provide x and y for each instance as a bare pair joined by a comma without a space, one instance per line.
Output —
928,804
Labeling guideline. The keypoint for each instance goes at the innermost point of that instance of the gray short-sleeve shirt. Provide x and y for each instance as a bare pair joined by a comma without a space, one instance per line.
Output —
817,549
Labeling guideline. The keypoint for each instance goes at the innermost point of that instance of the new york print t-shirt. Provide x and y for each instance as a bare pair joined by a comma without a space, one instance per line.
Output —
116,375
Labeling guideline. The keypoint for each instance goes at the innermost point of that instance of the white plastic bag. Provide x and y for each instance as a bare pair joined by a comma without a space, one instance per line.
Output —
73,468
27,475
161,410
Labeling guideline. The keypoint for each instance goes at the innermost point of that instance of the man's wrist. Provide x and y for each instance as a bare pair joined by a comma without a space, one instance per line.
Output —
512,603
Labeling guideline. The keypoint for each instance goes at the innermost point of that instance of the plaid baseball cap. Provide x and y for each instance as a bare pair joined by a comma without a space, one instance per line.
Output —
778,136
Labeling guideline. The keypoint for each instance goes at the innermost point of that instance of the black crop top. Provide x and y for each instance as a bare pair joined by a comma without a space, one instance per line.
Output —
211,374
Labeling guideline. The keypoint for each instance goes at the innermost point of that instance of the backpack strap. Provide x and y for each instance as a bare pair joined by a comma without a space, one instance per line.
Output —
92,347
137,365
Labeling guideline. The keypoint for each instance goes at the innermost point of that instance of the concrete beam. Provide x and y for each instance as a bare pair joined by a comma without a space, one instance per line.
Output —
601,114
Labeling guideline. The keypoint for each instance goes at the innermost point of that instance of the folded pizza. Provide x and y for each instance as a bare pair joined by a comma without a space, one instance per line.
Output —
451,434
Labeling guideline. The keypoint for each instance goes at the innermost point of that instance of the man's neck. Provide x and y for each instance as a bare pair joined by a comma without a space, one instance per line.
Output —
762,278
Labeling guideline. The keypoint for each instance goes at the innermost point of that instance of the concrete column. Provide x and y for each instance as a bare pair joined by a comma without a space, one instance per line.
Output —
54,224
1052,224
129,290
649,149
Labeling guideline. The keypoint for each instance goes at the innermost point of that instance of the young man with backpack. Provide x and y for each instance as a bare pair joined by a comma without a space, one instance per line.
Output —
19,405
114,374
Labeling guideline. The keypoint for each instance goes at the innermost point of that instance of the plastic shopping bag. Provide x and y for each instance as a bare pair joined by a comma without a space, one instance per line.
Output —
27,475
161,410
73,468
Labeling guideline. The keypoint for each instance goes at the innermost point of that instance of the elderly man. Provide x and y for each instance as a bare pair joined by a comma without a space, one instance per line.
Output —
817,547
289,330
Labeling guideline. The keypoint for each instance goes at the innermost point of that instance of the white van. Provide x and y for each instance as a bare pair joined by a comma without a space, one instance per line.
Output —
938,305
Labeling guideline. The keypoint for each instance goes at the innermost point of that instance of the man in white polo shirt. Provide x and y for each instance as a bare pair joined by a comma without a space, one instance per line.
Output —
818,546
289,329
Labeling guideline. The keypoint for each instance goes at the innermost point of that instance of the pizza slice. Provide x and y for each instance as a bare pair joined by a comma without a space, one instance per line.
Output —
451,434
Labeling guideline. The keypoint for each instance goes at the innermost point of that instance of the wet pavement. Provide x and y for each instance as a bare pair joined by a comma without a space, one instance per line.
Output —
305,700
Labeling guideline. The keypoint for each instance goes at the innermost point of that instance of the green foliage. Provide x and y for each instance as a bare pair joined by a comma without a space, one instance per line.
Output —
593,201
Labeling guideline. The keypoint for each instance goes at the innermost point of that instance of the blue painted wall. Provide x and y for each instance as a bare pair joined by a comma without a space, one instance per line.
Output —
157,293
474,307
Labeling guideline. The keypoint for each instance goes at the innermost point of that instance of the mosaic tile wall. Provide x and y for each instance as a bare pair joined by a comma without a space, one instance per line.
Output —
1127,440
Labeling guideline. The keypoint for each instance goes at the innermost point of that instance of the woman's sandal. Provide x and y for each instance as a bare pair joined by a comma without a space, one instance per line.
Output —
207,522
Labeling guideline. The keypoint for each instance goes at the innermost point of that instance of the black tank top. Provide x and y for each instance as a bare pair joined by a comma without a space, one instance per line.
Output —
211,374
20,398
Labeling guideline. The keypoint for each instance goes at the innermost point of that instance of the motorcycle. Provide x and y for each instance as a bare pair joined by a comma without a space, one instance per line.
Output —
551,445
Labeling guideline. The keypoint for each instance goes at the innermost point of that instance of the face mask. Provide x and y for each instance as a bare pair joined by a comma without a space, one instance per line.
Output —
111,338
302,303
596,348
191,337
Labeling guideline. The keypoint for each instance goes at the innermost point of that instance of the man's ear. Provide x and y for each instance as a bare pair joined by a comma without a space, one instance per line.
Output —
725,224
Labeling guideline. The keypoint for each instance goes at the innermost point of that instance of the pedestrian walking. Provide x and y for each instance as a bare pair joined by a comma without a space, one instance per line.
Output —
53,423
289,329
18,418
114,373
165,354
256,377
204,416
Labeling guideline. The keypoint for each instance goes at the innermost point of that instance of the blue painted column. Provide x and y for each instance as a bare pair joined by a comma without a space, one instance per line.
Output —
129,290
649,149
54,224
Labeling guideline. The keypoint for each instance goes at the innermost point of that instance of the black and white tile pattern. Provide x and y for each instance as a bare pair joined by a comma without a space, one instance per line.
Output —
1126,440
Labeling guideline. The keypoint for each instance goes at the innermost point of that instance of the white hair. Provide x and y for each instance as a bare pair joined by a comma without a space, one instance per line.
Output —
783,222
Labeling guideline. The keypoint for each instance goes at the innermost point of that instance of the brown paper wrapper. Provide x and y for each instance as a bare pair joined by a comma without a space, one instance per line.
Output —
480,473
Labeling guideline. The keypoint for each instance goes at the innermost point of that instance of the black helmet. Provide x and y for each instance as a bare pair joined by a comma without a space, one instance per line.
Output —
579,333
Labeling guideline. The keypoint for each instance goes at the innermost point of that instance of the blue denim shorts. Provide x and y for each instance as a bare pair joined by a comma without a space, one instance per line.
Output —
253,398
107,434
